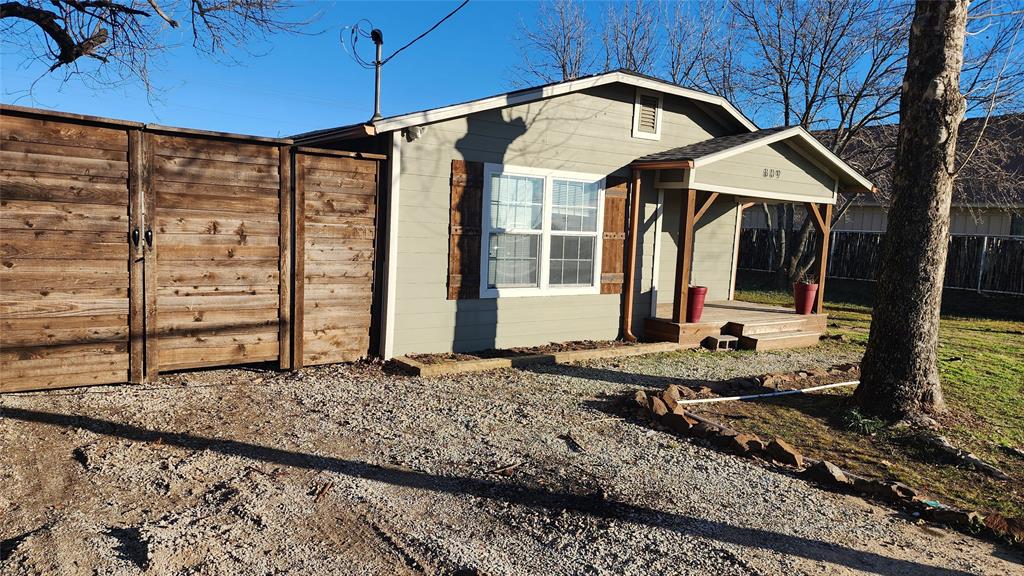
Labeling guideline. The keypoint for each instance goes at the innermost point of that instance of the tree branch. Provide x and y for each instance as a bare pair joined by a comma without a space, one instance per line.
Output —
69,50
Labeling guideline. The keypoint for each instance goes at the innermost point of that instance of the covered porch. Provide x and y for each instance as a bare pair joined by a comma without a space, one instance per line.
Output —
713,181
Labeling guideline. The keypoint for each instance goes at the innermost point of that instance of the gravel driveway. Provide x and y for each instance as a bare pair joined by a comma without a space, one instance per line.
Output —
352,470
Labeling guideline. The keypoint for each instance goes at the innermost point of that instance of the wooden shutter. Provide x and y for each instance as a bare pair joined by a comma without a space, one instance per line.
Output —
467,185
613,249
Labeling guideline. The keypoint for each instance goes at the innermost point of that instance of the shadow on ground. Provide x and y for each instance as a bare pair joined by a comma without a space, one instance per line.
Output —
520,495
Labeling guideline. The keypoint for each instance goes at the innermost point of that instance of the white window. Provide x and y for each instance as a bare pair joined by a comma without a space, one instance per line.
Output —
647,110
541,232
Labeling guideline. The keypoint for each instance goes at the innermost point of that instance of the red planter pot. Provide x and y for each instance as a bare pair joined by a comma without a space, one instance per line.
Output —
804,296
695,302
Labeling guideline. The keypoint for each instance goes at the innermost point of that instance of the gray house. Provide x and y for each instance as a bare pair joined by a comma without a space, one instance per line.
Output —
580,210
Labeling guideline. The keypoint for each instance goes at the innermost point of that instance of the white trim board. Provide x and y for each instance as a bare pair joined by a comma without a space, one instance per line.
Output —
659,214
387,341
749,193
544,92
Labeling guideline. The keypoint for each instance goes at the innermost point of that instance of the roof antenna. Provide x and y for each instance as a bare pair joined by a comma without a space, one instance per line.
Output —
378,39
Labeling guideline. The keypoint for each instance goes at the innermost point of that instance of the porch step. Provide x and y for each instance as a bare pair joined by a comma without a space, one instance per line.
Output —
779,340
720,342
792,324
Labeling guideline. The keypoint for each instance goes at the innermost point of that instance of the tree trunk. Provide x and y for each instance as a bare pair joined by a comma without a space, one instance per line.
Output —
899,374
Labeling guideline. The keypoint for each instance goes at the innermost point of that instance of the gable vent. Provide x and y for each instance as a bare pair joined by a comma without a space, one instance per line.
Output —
647,115
648,120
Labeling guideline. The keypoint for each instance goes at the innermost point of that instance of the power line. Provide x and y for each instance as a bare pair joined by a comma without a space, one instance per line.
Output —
356,32
429,30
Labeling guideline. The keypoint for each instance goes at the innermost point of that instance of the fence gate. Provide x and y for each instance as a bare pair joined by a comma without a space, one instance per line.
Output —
336,203
216,213
128,249
63,255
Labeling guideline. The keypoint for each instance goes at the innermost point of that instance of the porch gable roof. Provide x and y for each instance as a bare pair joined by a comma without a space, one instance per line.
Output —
715,149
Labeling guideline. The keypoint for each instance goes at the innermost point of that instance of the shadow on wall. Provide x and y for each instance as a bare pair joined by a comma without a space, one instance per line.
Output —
476,319
534,497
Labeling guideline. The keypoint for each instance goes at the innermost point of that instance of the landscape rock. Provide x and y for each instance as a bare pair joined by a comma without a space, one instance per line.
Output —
640,398
678,422
723,437
901,491
953,517
658,407
784,453
744,443
671,397
828,473
704,430
757,446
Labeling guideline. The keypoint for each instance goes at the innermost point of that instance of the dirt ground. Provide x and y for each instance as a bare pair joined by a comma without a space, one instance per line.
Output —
354,470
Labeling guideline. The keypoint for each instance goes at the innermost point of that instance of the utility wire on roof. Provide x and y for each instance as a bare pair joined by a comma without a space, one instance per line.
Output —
356,32
429,30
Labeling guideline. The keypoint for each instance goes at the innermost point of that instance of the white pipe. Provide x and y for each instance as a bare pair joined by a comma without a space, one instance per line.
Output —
768,395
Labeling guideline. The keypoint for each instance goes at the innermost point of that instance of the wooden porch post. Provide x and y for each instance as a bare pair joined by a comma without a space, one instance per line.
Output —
684,255
823,222
629,276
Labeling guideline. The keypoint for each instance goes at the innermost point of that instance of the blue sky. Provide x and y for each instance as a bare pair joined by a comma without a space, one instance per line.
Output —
306,82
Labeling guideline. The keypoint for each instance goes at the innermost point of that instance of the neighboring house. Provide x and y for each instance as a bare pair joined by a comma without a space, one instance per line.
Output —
506,219
992,205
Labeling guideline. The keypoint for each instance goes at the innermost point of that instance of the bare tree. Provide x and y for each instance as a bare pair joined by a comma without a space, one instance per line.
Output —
899,374
835,63
631,37
702,48
109,40
839,64
558,45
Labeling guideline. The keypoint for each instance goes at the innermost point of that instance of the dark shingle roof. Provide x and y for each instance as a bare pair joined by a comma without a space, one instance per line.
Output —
708,147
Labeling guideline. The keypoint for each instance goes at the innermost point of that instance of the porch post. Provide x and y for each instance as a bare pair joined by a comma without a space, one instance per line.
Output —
684,255
825,230
629,276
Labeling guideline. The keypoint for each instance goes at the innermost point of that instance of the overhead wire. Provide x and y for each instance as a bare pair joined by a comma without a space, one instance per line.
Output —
356,32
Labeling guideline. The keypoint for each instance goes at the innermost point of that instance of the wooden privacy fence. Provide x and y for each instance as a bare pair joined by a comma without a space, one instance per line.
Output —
129,249
982,263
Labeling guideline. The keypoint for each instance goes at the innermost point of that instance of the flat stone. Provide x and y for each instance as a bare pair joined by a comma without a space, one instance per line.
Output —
704,430
902,491
671,397
658,407
955,517
723,437
828,473
744,443
677,422
640,398
783,453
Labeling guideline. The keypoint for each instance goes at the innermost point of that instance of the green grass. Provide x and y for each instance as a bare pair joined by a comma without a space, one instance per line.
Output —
981,364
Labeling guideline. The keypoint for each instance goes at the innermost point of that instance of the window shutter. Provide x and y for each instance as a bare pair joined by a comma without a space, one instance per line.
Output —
613,248
648,121
467,191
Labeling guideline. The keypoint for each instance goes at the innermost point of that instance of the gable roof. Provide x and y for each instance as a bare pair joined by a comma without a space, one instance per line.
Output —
522,96
714,149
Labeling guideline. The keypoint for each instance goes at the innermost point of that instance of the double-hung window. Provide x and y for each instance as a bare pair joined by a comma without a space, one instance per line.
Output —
541,232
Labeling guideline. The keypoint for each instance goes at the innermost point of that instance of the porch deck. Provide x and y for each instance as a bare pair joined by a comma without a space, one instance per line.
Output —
756,326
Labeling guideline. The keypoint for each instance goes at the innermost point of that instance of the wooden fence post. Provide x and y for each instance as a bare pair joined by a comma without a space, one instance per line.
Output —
136,260
149,263
285,260
299,264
